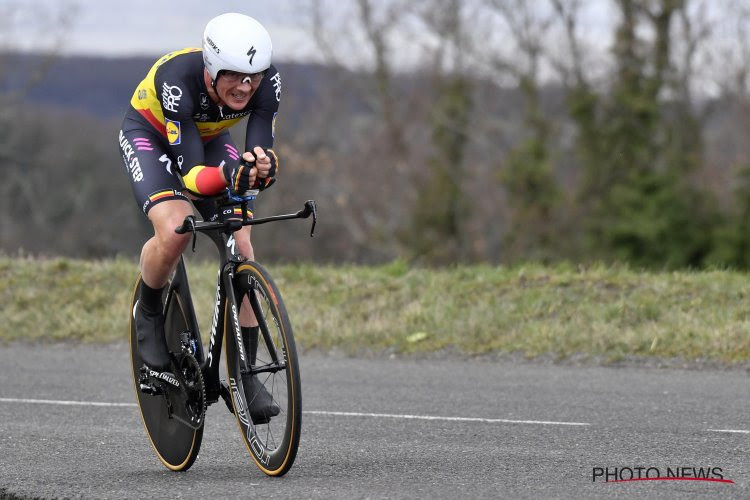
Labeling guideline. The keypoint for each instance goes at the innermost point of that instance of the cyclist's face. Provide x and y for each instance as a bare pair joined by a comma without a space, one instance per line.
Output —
236,89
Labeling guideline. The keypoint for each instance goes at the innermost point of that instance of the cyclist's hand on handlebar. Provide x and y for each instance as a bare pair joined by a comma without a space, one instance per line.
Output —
255,171
266,163
242,177
261,159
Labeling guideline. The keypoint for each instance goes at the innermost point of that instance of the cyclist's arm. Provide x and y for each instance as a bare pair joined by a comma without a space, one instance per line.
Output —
260,124
198,178
187,146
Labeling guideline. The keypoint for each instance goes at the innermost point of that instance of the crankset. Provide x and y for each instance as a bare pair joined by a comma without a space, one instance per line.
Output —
183,390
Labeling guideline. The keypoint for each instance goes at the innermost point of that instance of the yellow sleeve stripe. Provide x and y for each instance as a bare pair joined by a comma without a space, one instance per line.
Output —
275,161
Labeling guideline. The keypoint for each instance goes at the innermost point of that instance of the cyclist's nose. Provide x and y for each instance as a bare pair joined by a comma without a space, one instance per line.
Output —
246,86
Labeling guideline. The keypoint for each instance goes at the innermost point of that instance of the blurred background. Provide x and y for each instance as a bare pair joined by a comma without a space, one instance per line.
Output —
435,131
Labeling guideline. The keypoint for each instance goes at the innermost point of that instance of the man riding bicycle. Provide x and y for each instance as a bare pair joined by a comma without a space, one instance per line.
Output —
179,154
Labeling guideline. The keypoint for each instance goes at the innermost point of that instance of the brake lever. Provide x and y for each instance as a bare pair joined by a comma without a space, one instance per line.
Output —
309,210
190,219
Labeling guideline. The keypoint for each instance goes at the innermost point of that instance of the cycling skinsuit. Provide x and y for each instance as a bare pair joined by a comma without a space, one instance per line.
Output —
173,126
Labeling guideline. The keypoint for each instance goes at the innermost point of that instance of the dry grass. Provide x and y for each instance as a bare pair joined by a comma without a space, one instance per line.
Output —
601,311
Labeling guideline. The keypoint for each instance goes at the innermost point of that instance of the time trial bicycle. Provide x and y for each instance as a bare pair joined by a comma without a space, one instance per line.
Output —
173,404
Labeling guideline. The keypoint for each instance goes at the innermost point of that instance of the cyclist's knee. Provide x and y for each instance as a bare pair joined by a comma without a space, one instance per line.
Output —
244,245
165,217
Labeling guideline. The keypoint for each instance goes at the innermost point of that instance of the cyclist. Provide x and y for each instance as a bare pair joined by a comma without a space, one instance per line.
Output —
178,154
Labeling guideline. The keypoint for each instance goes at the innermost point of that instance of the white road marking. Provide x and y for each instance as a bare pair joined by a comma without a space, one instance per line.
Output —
350,414
319,412
445,419
62,403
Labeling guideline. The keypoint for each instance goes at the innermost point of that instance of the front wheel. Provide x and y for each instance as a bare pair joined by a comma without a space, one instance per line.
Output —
273,363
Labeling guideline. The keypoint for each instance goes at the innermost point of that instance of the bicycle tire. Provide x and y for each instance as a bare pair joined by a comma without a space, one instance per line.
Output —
273,445
176,445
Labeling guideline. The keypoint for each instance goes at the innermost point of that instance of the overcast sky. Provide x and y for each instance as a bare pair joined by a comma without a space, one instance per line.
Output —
149,27
153,27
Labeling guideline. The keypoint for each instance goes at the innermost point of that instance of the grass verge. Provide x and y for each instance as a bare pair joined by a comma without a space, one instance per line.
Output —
599,311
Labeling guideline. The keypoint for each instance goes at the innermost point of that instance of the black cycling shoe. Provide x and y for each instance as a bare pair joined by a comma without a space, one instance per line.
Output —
261,404
152,343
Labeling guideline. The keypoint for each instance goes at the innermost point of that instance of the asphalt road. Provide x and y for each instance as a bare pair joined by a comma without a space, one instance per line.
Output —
388,428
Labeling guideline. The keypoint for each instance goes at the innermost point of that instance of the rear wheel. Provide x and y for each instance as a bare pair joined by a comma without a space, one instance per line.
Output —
175,435
272,444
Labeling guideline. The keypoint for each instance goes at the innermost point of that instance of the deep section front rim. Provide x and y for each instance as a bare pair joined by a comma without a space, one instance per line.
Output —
273,445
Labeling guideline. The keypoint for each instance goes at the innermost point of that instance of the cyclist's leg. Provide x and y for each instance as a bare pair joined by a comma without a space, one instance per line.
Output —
161,253
158,192
219,151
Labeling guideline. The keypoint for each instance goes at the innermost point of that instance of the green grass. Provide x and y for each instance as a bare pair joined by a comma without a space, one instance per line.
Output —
603,312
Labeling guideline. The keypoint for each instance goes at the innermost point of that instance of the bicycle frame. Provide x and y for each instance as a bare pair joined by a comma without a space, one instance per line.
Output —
222,235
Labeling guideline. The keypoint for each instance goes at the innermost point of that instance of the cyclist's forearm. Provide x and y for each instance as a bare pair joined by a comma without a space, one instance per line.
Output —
205,180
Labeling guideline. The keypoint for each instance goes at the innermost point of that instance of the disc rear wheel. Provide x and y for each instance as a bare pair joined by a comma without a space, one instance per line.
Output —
176,441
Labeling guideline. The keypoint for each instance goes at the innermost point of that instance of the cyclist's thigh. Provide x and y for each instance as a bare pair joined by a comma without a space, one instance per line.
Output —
219,152
150,168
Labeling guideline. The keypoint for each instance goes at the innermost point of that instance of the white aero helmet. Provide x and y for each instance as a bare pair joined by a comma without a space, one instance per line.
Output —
236,42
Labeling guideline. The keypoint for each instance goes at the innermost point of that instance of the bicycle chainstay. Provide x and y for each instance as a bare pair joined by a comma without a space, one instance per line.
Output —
184,393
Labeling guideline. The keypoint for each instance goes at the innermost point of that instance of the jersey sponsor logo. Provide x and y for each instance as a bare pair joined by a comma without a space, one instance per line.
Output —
170,97
165,159
173,132
276,79
131,161
232,116
204,101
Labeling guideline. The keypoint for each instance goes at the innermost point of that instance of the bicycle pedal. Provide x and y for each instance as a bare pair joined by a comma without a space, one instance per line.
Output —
150,389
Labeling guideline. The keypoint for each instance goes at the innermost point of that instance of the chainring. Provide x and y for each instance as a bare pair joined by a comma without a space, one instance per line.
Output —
189,401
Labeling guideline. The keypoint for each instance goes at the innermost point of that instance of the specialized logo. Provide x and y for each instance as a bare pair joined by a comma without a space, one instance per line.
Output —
165,159
238,332
232,245
251,53
276,79
170,97
131,161
214,326
213,45
165,376
174,135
